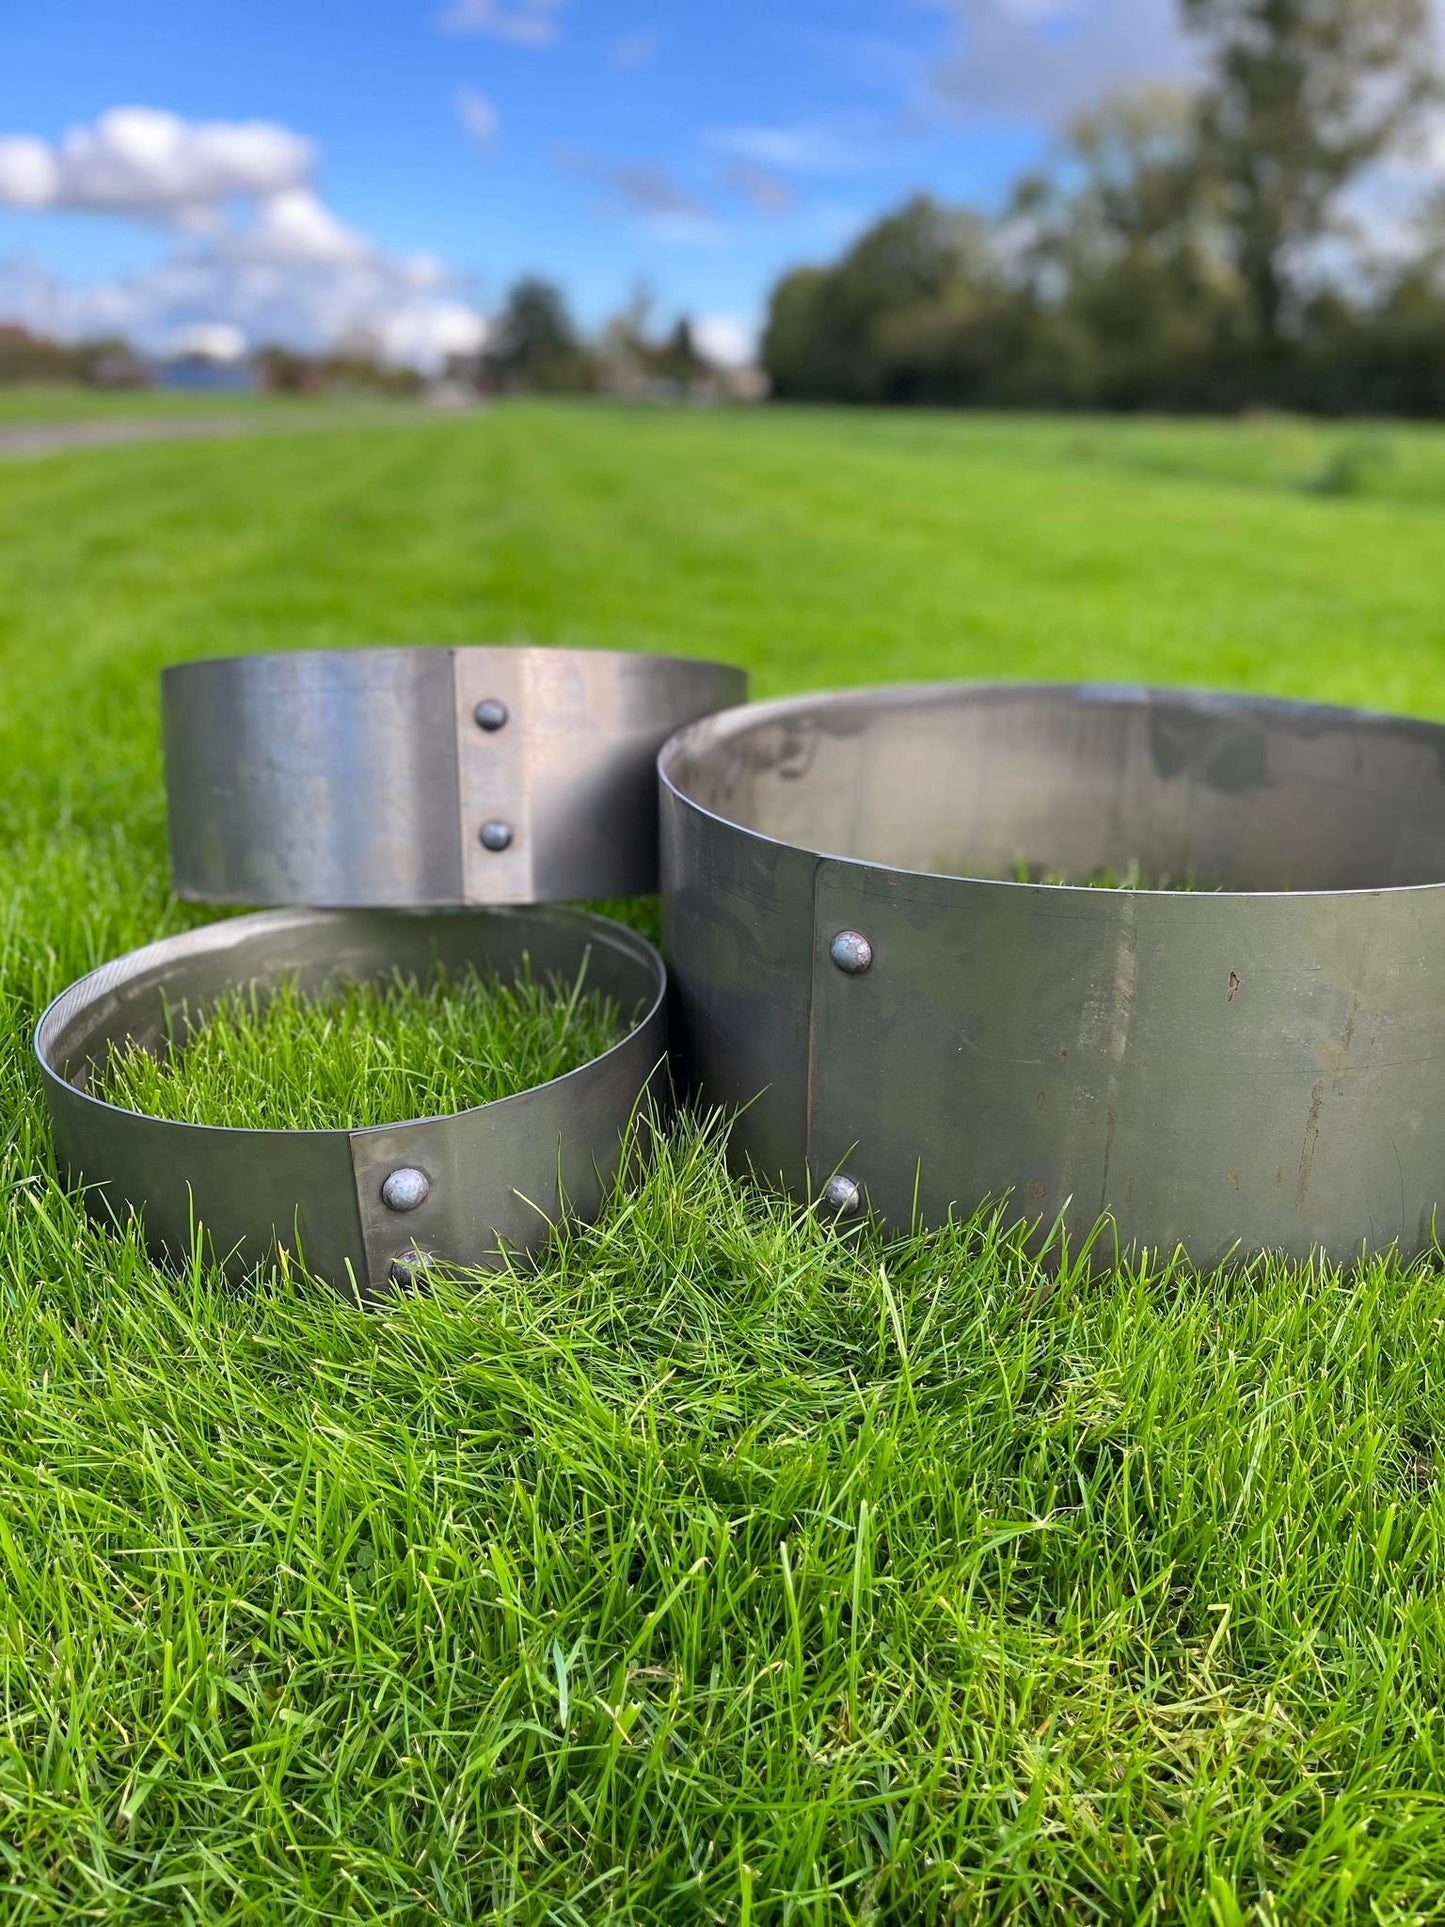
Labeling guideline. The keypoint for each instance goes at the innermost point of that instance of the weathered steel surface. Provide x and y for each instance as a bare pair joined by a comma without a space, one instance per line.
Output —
365,777
498,1174
1253,1065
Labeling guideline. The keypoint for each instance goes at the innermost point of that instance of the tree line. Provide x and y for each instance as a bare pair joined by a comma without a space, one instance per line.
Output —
534,346
1234,246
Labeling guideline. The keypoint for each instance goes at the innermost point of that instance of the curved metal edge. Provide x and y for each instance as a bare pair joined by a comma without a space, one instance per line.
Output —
712,737
500,1175
1224,1072
363,777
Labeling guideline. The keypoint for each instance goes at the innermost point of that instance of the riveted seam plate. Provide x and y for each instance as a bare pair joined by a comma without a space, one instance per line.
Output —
842,1007
363,777
501,1175
495,774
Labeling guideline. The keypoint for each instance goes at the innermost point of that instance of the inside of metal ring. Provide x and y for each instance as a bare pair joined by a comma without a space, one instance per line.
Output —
148,996
1026,782
365,1208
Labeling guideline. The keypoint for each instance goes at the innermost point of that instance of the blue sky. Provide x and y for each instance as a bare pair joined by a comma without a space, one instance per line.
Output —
414,156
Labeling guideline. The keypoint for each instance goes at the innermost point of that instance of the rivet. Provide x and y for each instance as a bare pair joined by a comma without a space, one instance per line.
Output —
405,1188
406,1268
851,952
490,714
842,1195
496,835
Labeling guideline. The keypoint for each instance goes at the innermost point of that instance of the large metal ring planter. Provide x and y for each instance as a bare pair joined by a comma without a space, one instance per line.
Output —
361,1208
424,777
1259,1065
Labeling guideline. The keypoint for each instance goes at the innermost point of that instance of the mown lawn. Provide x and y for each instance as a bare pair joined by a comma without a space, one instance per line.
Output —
727,1569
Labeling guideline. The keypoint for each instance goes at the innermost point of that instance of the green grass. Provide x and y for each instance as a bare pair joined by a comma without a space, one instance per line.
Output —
728,1568
359,1054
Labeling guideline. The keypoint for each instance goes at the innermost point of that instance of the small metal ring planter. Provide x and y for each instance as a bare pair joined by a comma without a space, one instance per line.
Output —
424,777
1256,1066
360,1207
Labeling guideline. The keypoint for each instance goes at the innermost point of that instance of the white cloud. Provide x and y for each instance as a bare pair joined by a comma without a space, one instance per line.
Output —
29,173
1043,61
146,163
764,191
217,340
266,259
296,229
1038,11
409,309
802,148
669,210
423,333
478,116
636,50
523,23
725,340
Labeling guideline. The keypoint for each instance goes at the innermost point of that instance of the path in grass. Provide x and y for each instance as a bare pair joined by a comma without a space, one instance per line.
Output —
116,431
727,1570
23,436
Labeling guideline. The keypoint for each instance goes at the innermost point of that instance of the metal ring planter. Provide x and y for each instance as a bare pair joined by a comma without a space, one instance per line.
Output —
358,1206
424,777
1257,1065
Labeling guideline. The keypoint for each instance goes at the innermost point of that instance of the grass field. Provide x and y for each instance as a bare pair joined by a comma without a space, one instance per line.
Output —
728,1569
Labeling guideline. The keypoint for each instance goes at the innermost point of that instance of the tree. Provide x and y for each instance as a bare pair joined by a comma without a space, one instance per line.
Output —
1179,252
1302,95
677,357
794,335
536,345
1124,250
906,315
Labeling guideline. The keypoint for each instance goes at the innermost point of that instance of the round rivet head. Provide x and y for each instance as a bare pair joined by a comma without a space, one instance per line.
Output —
405,1269
405,1188
490,714
841,1195
496,835
851,952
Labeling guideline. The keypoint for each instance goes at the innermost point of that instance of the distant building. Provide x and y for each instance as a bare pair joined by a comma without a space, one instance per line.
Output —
206,375
210,359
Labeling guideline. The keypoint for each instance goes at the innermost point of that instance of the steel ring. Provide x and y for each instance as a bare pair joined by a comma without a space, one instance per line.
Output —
1253,1066
360,1208
423,777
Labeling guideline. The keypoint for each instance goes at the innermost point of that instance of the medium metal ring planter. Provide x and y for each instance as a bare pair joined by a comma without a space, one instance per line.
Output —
366,1208
1254,1065
424,777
